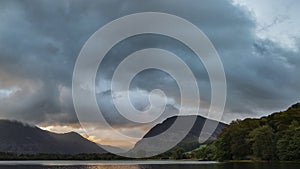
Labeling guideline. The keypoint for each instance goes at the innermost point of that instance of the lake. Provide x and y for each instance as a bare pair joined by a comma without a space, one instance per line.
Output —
141,165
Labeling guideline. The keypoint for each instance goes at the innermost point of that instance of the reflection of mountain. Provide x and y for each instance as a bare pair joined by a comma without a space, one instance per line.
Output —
19,138
190,141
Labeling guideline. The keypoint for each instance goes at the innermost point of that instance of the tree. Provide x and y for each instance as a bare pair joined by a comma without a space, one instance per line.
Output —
206,152
178,153
231,143
288,146
262,141
223,145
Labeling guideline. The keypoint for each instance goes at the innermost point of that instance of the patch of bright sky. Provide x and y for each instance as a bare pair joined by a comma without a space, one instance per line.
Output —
277,20
4,93
101,136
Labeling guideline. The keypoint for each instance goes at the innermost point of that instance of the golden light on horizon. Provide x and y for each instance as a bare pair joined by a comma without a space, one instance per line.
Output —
105,139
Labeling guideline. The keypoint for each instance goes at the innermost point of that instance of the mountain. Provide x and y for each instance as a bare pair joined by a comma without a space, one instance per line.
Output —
16,137
190,141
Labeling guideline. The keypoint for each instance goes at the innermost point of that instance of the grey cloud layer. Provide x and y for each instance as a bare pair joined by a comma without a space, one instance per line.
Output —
40,41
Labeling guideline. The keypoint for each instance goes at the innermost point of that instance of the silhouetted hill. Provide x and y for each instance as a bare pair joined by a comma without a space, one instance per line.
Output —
190,142
20,138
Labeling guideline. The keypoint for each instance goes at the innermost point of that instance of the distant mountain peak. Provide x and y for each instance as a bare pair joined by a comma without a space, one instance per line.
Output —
191,140
18,137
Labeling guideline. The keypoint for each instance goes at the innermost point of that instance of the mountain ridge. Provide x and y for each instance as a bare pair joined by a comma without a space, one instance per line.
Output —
190,141
22,138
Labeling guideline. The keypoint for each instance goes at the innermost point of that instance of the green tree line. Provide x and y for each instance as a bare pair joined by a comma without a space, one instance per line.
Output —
275,137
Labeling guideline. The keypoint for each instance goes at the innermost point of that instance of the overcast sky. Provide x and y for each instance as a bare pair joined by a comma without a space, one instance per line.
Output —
258,43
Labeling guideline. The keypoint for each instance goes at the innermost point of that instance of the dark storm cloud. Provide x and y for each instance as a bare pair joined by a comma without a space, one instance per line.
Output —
139,100
40,41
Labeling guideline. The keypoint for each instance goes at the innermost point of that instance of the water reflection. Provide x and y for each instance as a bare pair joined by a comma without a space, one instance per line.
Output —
163,165
73,167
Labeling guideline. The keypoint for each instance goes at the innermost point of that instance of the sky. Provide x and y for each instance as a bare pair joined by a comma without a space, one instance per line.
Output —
257,41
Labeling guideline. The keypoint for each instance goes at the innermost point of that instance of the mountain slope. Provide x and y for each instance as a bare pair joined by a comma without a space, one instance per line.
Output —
16,137
190,142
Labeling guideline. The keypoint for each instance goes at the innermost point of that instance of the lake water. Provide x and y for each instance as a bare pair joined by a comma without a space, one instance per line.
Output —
141,165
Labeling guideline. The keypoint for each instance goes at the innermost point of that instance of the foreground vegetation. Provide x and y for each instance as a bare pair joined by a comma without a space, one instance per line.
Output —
275,137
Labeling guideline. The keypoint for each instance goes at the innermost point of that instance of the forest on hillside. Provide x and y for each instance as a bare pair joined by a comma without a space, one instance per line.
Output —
275,137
